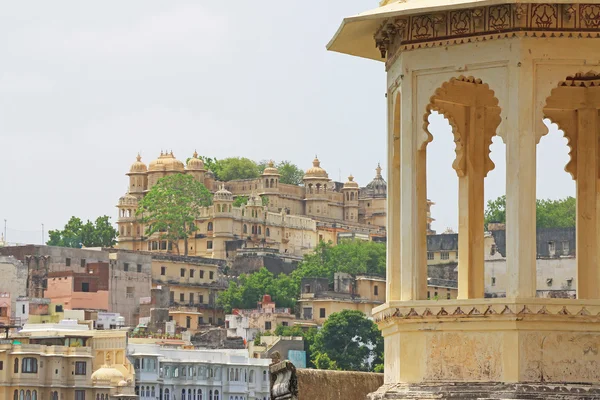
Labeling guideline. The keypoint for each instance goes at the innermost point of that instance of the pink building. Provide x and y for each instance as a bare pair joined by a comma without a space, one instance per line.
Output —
80,290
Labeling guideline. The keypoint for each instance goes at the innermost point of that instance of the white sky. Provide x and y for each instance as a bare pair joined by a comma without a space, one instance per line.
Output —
84,86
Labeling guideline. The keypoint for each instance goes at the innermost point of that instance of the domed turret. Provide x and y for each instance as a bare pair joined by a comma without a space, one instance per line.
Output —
138,166
316,171
128,200
270,170
350,184
223,194
166,162
195,164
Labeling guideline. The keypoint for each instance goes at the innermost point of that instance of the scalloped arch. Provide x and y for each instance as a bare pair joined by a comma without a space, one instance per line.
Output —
563,114
480,93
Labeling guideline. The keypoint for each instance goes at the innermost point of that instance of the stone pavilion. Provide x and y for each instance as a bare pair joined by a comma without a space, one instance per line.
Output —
491,67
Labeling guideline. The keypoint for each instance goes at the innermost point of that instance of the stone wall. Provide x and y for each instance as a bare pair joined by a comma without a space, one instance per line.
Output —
287,382
251,263
14,278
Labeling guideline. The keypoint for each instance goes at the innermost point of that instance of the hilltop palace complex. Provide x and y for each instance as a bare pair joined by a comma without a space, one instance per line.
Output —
294,219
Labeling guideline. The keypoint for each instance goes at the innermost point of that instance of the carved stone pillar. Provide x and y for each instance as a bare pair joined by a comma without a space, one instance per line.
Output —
393,278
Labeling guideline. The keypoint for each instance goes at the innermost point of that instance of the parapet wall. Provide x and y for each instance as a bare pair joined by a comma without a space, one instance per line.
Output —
309,384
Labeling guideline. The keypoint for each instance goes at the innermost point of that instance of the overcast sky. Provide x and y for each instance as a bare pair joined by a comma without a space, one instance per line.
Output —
84,86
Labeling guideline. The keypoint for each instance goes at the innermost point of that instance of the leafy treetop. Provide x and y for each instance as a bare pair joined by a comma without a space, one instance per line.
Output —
101,233
290,173
549,213
171,207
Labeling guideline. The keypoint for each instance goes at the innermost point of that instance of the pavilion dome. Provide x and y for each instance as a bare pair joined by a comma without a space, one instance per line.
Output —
195,164
138,165
107,374
316,171
128,200
166,162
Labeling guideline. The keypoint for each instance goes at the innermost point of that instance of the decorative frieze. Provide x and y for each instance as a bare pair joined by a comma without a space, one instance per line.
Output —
505,20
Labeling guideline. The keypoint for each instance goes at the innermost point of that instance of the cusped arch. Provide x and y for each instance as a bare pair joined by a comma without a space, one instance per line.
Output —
561,109
450,100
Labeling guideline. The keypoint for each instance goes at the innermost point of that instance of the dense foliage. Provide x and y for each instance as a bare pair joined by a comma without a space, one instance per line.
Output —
350,256
549,213
100,233
171,207
243,168
348,341
249,289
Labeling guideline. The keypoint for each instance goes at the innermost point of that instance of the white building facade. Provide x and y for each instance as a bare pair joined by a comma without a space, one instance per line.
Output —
166,373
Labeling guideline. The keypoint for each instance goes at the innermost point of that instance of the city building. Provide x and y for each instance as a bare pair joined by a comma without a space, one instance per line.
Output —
288,218
179,372
282,347
194,284
491,69
247,323
60,269
318,299
66,360
5,309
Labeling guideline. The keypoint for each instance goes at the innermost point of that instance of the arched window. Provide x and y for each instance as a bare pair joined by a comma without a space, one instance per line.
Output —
28,395
210,395
237,375
16,367
216,395
16,395
210,227
264,376
22,395
182,394
153,392
189,394
55,396
167,395
147,391
199,394
259,230
245,229
252,373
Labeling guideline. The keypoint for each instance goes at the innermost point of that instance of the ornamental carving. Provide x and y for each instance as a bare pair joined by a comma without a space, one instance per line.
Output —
544,16
590,15
485,23
499,17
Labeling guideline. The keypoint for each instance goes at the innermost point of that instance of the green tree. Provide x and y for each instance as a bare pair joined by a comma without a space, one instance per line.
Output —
171,207
76,234
249,289
349,340
211,164
240,201
237,168
549,213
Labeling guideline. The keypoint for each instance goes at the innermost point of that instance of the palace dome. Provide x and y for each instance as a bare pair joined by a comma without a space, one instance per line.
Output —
138,165
350,184
166,162
316,171
107,374
223,194
378,185
195,164
270,170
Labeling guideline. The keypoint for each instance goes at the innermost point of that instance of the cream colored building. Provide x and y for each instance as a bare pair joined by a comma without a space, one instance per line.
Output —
66,360
491,68
293,221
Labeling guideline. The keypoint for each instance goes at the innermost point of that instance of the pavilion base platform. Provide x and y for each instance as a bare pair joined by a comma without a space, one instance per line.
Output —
487,390
490,349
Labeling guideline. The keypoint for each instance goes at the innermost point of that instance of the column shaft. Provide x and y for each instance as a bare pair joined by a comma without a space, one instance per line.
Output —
588,273
470,208
393,278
